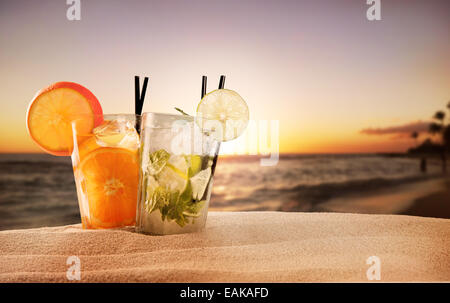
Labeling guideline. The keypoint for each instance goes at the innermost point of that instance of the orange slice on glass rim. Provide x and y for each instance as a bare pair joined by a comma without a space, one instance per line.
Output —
53,110
111,184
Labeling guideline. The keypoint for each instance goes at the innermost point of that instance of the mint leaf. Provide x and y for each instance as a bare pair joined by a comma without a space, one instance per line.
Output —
158,200
175,209
193,210
181,111
158,160
173,205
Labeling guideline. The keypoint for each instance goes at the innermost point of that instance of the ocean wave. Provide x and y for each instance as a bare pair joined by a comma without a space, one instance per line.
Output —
38,189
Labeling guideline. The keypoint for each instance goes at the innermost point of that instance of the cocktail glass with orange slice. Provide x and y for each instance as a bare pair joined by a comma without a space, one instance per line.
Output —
105,164
66,119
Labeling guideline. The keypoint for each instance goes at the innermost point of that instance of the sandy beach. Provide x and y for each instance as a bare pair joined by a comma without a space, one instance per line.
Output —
238,247
436,204
430,198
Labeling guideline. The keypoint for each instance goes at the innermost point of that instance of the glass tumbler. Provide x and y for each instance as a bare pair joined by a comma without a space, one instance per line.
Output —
177,162
106,168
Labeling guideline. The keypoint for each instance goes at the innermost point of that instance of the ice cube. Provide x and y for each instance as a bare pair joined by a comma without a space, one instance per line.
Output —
117,133
188,139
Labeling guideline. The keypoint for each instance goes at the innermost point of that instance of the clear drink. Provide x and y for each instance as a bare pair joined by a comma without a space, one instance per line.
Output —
176,175
106,170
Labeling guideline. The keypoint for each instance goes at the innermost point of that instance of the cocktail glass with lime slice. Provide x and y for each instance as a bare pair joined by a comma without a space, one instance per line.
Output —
175,174
177,162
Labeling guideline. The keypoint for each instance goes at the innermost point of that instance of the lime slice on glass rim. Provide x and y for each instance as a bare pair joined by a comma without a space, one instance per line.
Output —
223,114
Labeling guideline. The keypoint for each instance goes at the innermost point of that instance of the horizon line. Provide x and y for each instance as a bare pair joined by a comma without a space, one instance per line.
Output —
253,155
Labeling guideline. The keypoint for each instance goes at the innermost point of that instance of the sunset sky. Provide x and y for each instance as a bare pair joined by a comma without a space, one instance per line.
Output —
335,81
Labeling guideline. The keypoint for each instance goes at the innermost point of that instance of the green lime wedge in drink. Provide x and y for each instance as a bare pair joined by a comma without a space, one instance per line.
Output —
174,175
199,182
195,164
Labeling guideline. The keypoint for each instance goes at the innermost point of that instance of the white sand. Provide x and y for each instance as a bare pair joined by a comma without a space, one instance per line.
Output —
238,246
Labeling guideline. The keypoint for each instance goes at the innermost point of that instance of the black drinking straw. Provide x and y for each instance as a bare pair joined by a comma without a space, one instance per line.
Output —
203,86
139,99
213,166
222,82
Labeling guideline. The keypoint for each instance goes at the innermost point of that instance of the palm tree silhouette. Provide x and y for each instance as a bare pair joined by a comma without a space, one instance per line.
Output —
435,128
439,115
448,107
446,132
438,127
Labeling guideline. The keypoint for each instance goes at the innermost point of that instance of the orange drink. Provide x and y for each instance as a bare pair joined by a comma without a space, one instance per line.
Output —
66,119
105,164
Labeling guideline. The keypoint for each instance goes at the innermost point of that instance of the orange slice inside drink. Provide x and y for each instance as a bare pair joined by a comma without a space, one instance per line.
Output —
111,184
87,146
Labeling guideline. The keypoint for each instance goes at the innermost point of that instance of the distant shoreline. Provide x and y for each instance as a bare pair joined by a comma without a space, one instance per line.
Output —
39,189
426,198
288,155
